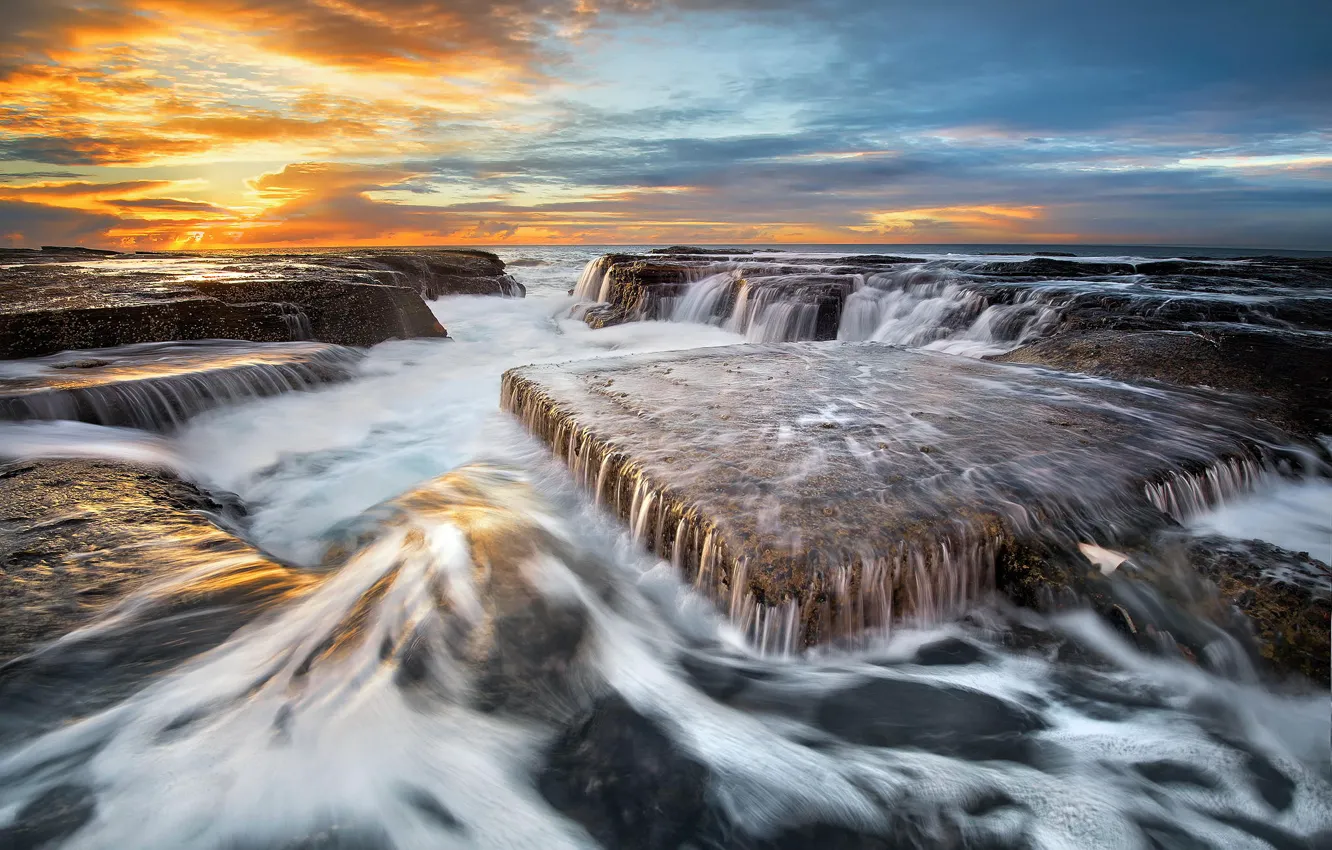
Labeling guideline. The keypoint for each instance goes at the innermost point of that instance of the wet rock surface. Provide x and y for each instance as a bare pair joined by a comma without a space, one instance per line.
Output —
1008,299
948,720
1287,596
1292,368
50,819
58,302
78,536
155,386
751,467
434,273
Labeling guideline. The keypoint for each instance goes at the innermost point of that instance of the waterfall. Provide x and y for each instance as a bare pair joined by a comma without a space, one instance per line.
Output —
594,283
130,389
705,301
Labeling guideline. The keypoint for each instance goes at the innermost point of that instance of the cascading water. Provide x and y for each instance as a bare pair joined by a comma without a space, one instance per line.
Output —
595,282
920,305
487,660
156,386
707,299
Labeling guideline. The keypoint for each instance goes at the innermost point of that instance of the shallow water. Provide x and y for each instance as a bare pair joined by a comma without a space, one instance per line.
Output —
360,713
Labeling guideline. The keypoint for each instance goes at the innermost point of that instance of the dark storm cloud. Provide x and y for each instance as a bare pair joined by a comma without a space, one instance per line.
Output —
1052,65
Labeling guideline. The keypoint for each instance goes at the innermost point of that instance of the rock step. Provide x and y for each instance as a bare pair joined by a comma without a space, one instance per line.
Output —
156,386
817,490
56,302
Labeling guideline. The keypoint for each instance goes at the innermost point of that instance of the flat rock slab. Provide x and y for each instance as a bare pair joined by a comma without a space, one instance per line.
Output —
56,306
158,385
1292,368
819,489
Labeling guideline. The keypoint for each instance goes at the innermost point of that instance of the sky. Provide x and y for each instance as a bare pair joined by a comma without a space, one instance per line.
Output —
171,124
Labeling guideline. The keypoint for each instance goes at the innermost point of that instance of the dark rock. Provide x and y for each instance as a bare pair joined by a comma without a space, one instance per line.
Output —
331,836
1293,369
431,809
1275,787
1174,773
940,718
45,308
949,652
1279,838
50,818
1101,697
619,776
691,251
1162,835
1286,596
92,252
719,679
1046,267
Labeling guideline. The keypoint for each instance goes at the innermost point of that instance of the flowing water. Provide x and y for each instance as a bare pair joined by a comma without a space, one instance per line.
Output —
410,698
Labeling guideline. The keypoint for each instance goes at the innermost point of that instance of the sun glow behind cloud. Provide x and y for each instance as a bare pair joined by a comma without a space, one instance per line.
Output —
162,123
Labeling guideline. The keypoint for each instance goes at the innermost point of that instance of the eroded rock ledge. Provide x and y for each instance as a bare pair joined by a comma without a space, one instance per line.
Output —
56,300
819,490
155,386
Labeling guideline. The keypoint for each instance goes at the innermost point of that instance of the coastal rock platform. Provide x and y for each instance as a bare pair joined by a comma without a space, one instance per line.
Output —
818,490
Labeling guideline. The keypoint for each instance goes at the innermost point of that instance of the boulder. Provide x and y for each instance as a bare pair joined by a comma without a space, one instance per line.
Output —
619,776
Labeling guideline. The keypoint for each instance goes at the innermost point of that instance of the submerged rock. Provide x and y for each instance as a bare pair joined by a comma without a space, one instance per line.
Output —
504,633
50,818
158,385
818,490
944,719
624,780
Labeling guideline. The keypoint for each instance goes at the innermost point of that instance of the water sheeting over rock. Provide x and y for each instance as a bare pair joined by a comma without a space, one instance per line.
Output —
819,490
963,305
156,386
1292,368
76,538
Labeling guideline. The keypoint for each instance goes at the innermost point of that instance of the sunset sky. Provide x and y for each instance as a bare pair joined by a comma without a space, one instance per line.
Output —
158,124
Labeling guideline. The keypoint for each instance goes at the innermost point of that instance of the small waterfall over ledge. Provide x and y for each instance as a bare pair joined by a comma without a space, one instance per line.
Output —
594,283
156,386
916,306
